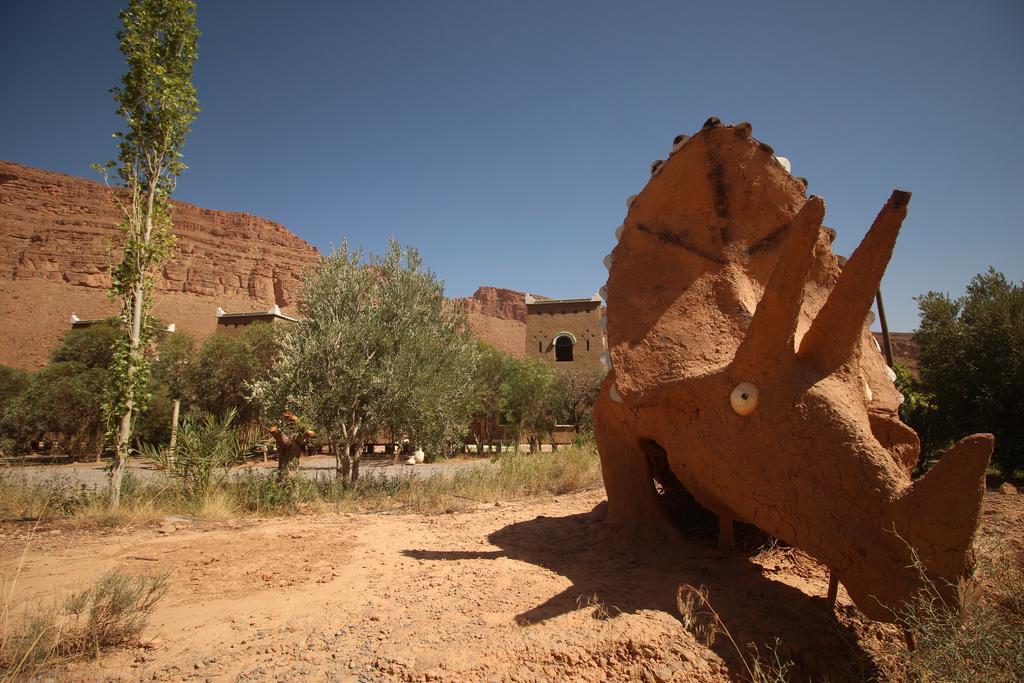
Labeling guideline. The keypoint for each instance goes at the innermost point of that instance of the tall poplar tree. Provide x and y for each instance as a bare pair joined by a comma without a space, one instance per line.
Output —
158,103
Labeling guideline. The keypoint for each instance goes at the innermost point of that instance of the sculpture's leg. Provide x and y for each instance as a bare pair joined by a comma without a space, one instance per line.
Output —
633,504
833,589
725,532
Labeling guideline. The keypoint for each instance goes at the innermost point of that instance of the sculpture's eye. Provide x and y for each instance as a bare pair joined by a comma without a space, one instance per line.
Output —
744,398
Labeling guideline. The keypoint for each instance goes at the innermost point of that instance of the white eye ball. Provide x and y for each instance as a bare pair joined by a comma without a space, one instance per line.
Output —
891,373
608,261
618,232
744,398
614,395
629,200
868,394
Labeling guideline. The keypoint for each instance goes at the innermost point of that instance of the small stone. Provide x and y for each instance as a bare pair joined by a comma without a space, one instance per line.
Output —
1008,489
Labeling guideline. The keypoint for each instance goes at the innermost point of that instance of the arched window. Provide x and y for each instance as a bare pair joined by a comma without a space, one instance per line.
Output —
563,348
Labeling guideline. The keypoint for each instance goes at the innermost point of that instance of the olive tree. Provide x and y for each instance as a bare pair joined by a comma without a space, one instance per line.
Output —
377,349
158,103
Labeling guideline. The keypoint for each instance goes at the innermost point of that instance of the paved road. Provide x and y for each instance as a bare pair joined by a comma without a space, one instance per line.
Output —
95,475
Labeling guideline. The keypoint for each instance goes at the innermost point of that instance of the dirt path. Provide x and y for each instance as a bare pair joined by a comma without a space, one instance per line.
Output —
534,590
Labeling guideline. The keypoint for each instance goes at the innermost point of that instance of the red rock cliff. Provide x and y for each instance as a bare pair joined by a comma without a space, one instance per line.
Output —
58,242
498,317
60,228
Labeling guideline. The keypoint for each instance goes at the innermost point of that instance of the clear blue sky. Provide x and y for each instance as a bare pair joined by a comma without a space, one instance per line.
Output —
502,138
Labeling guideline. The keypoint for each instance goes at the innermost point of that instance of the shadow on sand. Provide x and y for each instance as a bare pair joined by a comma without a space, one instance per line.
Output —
629,578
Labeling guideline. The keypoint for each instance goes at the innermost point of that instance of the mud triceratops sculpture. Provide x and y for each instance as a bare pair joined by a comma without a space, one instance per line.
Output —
743,369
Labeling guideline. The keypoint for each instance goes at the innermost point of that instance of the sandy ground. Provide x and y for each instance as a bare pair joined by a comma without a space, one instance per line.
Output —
522,591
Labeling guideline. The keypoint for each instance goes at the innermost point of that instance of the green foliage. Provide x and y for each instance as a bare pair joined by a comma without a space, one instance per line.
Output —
492,367
918,412
158,103
219,378
62,401
972,363
529,397
430,357
13,383
172,367
207,448
91,346
378,349
579,389
153,425
532,398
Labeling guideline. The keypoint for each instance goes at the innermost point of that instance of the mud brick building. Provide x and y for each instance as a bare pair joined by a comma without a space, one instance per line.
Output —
565,332
234,323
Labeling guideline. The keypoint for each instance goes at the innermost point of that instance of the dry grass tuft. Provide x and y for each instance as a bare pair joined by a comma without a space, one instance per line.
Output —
701,619
600,611
111,613
980,639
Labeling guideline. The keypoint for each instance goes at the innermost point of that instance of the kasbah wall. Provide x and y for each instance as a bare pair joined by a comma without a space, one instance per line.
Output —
576,321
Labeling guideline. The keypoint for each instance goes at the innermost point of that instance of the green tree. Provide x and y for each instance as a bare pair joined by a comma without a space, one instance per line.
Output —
13,383
220,377
172,367
579,389
158,103
971,361
377,349
532,399
492,369
63,401
431,355
92,346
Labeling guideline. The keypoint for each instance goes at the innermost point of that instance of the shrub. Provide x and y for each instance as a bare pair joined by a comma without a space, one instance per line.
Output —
64,400
207,448
91,346
981,640
111,613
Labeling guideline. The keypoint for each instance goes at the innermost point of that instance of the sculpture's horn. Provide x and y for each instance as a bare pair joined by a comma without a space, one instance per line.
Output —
938,514
769,338
838,325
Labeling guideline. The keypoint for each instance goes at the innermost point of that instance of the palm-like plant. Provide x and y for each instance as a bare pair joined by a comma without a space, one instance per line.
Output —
207,449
